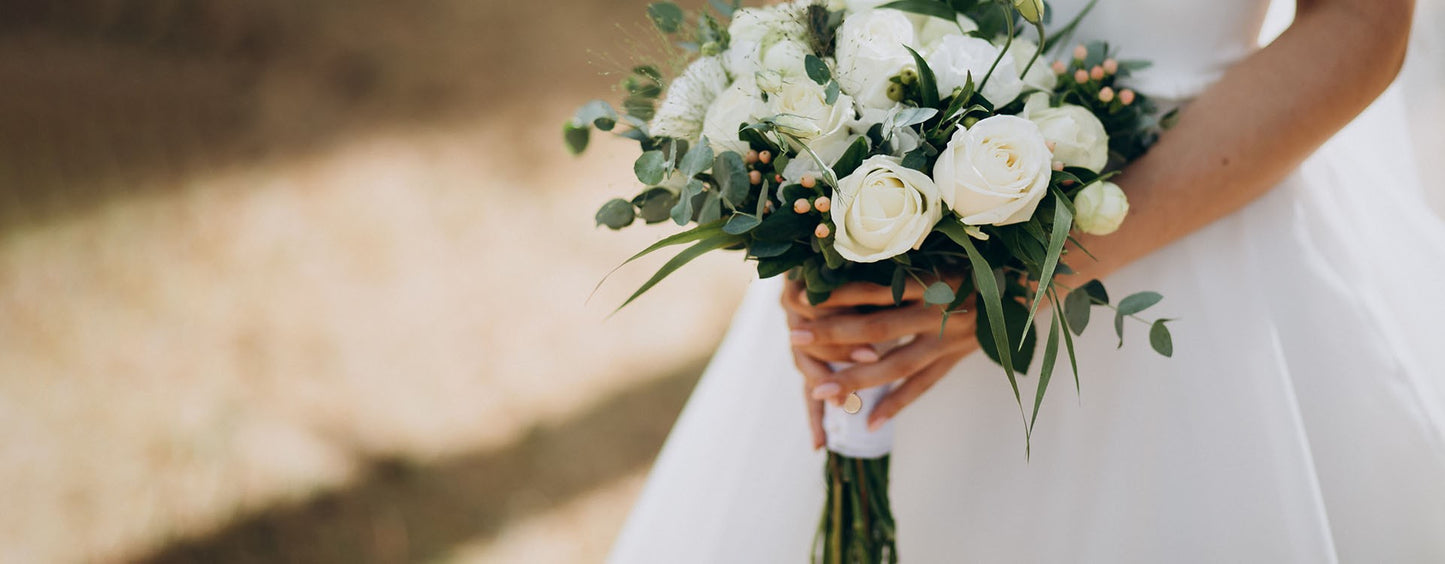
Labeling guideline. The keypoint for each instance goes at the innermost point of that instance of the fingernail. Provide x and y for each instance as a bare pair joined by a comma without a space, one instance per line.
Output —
864,355
803,297
876,424
826,390
801,337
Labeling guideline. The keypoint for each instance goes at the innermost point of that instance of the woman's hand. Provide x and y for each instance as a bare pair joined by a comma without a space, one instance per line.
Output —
834,332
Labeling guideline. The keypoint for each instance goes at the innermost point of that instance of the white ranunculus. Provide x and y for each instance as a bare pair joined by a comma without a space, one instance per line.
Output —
1039,76
996,172
931,31
1101,208
739,104
959,56
870,52
882,210
1079,138
681,112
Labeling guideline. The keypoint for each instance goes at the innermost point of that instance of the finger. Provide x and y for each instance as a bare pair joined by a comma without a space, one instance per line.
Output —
897,364
812,371
815,423
910,390
795,301
855,294
861,354
864,328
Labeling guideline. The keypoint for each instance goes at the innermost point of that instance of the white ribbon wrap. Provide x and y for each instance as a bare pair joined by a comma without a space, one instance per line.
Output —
848,433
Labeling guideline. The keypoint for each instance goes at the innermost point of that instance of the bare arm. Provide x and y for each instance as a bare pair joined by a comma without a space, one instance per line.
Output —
1249,130
1235,142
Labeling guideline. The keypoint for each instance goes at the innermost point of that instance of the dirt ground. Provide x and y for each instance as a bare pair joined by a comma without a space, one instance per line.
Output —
307,282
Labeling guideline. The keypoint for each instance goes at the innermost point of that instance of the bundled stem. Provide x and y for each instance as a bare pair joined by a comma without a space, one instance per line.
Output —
857,524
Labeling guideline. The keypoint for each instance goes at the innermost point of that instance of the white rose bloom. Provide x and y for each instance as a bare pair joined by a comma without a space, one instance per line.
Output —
871,51
786,58
996,172
882,210
1101,208
958,56
1078,136
827,132
754,30
932,30
681,112
1039,76
739,104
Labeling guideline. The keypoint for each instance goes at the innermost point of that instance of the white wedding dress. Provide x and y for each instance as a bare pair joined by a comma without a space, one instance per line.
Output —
1301,420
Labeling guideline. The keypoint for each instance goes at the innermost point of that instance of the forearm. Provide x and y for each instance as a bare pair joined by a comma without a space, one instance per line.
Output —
1249,130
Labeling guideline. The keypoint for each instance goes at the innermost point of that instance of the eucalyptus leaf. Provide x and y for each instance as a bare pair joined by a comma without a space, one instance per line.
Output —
650,168
1160,339
667,16
616,214
576,137
1077,307
711,208
599,114
831,92
769,249
938,293
741,223
655,204
731,175
913,116
1096,290
697,160
1136,303
817,70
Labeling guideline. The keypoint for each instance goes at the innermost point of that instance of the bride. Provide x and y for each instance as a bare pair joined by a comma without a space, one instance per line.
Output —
1302,418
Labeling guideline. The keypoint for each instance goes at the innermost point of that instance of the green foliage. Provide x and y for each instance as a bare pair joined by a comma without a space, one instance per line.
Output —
655,204
1160,339
697,160
1022,344
576,137
1131,305
732,178
927,83
682,211
650,167
686,256
616,214
817,70
741,223
925,7
938,293
667,16
854,156
1076,309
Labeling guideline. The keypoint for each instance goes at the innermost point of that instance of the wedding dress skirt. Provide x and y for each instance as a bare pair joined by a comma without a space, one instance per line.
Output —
1302,418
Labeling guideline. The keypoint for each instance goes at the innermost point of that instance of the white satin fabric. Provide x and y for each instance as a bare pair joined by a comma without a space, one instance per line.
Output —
1302,418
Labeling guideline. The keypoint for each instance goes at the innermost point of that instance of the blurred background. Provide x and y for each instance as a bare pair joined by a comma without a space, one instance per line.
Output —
306,281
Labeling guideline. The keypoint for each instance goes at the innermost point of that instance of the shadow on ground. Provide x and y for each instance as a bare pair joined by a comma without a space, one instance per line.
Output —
403,512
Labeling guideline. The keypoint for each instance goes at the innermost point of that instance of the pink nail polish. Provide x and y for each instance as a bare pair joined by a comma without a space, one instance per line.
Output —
864,355
826,390
801,337
876,424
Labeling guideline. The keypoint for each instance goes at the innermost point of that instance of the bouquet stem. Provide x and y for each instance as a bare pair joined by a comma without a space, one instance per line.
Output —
857,523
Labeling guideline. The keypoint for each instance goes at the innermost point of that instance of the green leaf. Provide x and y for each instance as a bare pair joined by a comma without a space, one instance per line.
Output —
925,7
1062,221
616,214
899,284
741,223
686,256
1014,314
1063,34
655,204
938,293
1138,302
927,84
732,178
1051,353
852,157
1069,344
682,211
723,8
599,114
711,208
830,95
1095,289
697,160
913,116
992,301
576,137
1160,339
1077,307
769,249
668,17
650,168
817,70
639,107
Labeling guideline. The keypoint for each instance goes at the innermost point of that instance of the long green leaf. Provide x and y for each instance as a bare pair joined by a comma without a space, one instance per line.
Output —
992,301
681,259
925,7
927,83
1051,353
697,233
1068,342
1063,220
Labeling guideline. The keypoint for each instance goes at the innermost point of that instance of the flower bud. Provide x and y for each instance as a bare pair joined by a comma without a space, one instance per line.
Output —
1096,73
765,157
808,181
1106,94
1081,52
1059,67
755,177
1111,66
797,126
1126,96
1081,76
750,157
1057,165
822,231
1031,11
823,204
801,206
1101,207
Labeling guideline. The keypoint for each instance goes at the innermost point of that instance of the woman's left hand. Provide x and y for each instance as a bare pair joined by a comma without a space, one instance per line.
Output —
819,331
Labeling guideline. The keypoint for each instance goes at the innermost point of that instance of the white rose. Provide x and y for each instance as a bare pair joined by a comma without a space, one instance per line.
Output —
871,51
1039,76
1101,208
996,172
882,210
1079,138
932,30
738,105
786,58
802,106
681,112
755,30
958,56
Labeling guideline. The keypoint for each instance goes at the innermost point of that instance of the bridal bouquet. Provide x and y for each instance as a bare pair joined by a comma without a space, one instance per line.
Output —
924,140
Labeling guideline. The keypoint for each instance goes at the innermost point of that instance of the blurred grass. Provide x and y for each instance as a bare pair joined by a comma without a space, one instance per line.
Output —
304,282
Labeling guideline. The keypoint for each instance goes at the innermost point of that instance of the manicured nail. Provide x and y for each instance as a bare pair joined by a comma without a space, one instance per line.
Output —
803,297
876,424
826,390
801,337
864,355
